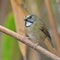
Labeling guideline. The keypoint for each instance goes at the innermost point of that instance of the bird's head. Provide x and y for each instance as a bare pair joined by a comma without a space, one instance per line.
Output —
29,20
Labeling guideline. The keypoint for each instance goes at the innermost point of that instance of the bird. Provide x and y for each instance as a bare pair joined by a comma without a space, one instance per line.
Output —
36,29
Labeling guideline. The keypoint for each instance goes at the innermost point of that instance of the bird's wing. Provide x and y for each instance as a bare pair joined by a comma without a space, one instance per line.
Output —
45,31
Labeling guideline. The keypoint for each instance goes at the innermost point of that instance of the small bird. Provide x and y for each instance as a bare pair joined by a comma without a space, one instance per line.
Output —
36,29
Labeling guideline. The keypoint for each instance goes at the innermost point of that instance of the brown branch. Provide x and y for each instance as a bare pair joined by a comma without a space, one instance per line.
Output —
28,42
53,25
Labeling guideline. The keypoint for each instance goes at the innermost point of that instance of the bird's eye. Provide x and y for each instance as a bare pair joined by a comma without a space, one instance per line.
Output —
27,17
30,17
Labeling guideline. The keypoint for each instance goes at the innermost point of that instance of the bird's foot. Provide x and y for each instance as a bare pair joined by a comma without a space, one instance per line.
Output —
36,44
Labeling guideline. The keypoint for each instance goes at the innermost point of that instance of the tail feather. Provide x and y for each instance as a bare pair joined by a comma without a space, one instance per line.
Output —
50,46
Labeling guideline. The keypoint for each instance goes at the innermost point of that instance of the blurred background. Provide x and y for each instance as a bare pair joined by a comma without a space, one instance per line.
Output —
4,10
9,50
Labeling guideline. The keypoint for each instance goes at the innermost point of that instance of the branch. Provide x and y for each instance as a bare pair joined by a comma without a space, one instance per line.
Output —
28,42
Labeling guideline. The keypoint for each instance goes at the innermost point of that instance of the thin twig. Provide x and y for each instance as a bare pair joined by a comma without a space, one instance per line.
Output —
28,42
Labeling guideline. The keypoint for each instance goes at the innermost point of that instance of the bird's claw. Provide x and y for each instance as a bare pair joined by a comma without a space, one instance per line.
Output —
36,44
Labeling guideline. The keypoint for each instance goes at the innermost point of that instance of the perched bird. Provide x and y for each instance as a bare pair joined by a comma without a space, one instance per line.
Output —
36,29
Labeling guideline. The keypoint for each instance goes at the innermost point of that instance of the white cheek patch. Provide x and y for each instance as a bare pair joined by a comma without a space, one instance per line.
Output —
28,24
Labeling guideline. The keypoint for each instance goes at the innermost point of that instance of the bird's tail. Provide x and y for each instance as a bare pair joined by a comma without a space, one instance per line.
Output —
50,46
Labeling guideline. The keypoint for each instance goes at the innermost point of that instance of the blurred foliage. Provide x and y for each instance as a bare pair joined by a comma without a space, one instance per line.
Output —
33,6
55,11
10,46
